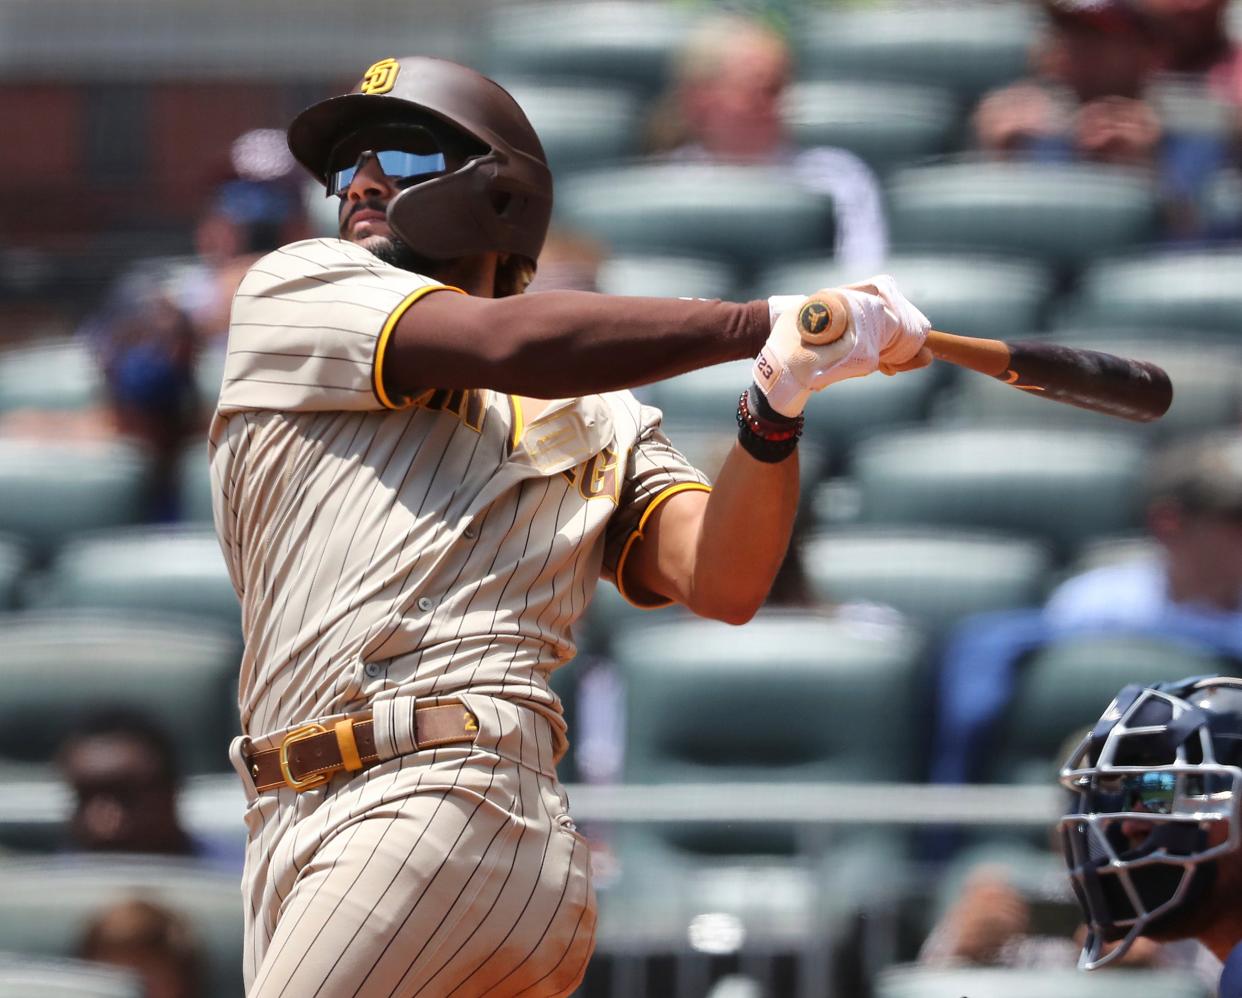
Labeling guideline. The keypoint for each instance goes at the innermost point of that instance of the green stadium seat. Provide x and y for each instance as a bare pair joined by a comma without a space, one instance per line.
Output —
960,293
968,47
934,576
14,563
1061,486
580,125
24,976
886,124
50,491
744,214
1065,214
177,569
1207,392
617,41
667,277
194,483
59,667
1169,291
920,982
1063,688
60,374
789,696
46,904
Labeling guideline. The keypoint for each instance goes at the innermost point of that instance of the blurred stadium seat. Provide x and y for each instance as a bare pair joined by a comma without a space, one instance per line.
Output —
56,374
50,491
14,562
194,483
886,124
171,568
959,292
919,982
1066,214
26,976
579,124
790,696
933,576
745,214
1063,687
617,41
968,47
1207,392
59,667
1061,486
45,905
659,276
1171,290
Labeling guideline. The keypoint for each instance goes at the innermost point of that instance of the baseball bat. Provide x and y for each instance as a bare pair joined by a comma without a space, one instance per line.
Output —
1102,382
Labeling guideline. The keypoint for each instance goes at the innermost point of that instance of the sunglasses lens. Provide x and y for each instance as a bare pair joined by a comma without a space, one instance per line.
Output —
1151,792
405,154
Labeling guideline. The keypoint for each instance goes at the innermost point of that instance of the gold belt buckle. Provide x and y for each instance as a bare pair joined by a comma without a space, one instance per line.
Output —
292,738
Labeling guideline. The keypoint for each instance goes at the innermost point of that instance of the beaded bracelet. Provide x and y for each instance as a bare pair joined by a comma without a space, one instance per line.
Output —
766,434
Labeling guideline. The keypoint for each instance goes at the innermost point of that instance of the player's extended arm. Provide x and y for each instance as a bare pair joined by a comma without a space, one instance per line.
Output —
717,553
558,344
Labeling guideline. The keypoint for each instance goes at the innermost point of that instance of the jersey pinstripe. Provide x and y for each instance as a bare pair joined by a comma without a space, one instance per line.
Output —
447,545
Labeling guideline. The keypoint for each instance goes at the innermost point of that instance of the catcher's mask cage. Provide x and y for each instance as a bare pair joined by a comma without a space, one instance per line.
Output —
499,197
1157,800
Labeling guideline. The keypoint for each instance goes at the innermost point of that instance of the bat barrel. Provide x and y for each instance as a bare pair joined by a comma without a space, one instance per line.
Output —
1102,382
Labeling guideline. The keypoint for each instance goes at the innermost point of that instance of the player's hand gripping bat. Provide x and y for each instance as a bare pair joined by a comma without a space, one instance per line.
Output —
1101,382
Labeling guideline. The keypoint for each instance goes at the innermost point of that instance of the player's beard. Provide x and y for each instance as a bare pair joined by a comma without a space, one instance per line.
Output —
393,251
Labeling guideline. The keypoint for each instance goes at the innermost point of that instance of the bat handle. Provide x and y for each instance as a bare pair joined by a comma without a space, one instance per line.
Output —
823,318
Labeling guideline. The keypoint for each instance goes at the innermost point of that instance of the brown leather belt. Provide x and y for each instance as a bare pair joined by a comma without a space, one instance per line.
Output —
312,754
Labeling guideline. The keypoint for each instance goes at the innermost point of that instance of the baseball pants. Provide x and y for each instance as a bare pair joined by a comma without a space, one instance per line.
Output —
447,872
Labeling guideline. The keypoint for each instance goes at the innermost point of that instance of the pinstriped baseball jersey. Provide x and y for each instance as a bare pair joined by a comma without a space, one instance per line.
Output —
426,545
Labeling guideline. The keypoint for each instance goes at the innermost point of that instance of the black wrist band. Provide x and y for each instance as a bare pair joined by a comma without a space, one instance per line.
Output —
767,435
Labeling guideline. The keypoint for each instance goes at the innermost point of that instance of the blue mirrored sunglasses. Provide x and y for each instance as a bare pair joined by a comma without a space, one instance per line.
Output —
401,167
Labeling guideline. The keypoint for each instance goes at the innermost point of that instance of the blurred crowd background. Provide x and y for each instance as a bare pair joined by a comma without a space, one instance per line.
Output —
854,794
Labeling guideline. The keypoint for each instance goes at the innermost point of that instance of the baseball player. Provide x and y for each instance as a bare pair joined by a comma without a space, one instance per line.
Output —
1152,837
419,475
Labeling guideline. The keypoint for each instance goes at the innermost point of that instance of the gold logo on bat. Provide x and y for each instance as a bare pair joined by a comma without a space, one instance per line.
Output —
380,77
1011,378
814,317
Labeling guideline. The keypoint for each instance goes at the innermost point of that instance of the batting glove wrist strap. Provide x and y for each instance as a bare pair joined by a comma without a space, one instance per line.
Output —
766,434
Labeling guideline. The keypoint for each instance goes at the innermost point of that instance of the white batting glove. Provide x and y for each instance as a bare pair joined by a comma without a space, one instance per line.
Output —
884,330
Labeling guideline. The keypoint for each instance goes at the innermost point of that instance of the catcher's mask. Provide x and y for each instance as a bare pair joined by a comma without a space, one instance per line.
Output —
496,193
1157,797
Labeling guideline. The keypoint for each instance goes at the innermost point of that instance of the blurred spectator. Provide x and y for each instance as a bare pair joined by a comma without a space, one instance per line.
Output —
1189,590
725,107
122,770
1088,101
1193,580
1195,42
146,349
256,207
153,942
569,261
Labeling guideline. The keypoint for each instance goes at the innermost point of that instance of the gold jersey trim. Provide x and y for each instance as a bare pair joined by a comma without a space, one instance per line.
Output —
637,535
381,345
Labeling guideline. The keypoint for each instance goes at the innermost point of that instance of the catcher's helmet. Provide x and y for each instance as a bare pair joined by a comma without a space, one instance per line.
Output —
1158,790
499,199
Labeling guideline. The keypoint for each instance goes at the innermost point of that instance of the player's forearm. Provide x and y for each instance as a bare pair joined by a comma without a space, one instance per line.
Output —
745,533
558,344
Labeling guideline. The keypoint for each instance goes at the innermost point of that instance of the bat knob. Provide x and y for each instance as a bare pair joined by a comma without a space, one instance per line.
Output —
823,318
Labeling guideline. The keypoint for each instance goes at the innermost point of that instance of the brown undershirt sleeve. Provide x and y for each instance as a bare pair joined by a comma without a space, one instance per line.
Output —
559,344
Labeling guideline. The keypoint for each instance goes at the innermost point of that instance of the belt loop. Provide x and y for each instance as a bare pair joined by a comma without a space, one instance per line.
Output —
348,745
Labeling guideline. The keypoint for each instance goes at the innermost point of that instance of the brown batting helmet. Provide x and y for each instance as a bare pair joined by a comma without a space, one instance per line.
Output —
499,199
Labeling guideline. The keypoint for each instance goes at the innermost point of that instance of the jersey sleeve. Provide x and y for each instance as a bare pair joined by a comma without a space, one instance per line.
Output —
309,327
655,472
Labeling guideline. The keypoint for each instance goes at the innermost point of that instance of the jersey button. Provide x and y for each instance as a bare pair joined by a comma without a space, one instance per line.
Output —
425,603
469,533
373,669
